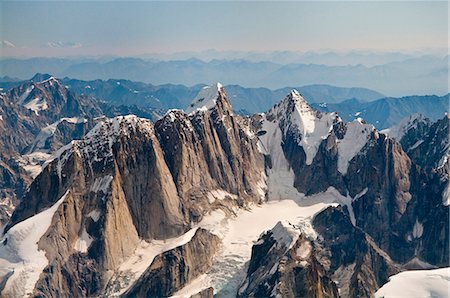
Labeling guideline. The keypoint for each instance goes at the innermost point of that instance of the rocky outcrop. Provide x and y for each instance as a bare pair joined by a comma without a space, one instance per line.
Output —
206,293
356,263
430,143
284,263
170,271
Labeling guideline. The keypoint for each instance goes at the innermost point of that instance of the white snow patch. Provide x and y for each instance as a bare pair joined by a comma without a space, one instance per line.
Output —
32,163
446,195
304,250
417,229
205,99
49,130
25,95
362,193
94,214
219,194
285,234
418,284
1,118
36,104
356,136
21,254
102,184
280,180
416,144
84,242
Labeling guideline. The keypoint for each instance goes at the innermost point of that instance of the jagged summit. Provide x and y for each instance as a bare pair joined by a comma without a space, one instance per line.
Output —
206,99
295,116
97,144
412,121
39,77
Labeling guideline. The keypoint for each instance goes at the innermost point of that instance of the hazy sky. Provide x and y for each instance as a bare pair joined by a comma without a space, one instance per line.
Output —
134,28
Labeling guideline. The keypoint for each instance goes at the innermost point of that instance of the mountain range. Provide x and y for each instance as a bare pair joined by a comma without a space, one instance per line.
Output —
293,202
412,75
150,100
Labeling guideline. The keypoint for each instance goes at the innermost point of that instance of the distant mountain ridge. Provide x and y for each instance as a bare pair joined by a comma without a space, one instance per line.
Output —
169,96
386,112
351,103
413,75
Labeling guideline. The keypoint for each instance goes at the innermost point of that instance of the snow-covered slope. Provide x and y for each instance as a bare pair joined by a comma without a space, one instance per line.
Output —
417,284
49,131
356,136
20,256
239,233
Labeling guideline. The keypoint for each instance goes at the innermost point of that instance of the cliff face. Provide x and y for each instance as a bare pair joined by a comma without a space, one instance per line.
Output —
212,150
354,259
175,268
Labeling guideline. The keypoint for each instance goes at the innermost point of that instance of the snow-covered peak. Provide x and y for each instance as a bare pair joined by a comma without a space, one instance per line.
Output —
50,80
294,114
205,99
40,77
296,97
119,125
399,130
97,145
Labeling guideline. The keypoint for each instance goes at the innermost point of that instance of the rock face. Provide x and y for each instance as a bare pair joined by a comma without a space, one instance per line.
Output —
206,293
284,263
430,144
175,268
356,262
211,150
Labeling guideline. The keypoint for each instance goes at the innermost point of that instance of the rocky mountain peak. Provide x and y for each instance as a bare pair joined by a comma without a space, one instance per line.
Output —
39,77
308,126
97,144
411,122
206,99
